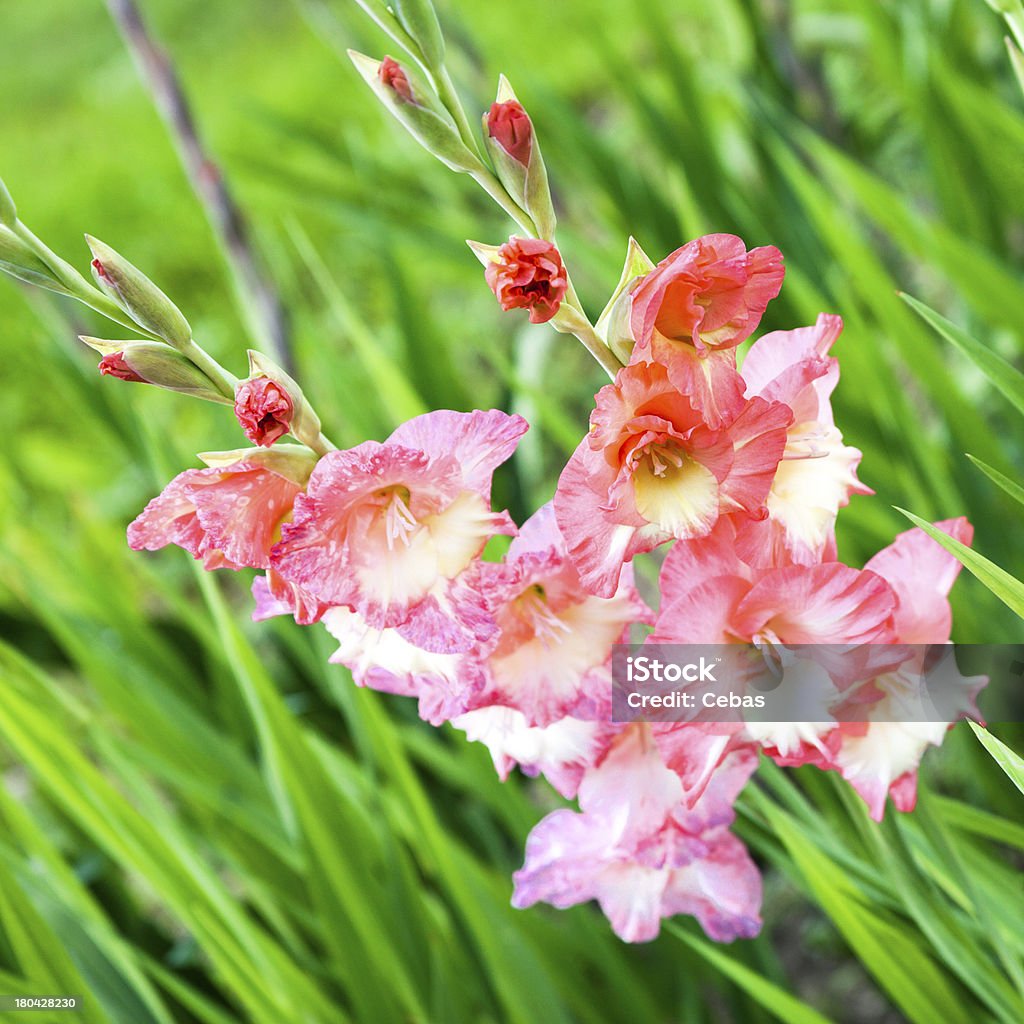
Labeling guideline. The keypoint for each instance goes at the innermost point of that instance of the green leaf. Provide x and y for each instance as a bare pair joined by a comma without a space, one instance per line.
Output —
1014,490
1006,379
1011,762
778,1002
1007,588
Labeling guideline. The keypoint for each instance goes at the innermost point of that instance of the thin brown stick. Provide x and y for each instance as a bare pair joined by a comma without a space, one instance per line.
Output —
262,308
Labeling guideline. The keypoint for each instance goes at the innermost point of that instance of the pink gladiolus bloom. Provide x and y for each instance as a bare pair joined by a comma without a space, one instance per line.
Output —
228,517
392,530
651,469
695,307
554,642
817,473
510,126
881,756
642,853
528,274
394,77
264,409
115,365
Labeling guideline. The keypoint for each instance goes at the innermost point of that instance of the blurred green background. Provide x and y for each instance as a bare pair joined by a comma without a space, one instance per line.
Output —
201,820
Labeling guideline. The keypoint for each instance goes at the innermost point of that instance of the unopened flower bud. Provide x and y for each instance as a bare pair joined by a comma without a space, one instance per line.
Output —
394,78
416,105
152,362
264,410
525,273
137,295
270,404
511,128
114,365
8,211
512,144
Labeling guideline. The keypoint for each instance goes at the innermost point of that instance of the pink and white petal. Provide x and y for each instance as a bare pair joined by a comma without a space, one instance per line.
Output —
268,605
793,367
759,441
922,573
691,562
453,618
722,890
565,854
701,753
478,441
598,543
170,518
820,604
631,791
241,510
803,503
879,756
561,752
709,380
702,615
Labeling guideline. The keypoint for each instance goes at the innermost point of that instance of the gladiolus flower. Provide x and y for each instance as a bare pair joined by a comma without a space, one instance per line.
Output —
881,756
527,273
390,530
395,78
264,409
817,473
228,517
642,852
651,469
555,638
510,126
694,308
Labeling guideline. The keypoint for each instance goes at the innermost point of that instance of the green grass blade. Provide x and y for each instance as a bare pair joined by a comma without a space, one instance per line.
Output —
777,1001
1008,380
1011,762
1008,589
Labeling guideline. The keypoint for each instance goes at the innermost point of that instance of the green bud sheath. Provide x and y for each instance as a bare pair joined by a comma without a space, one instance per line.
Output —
137,295
415,104
8,211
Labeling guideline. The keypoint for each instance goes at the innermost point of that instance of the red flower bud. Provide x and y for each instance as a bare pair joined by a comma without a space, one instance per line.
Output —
264,409
115,366
528,274
392,75
510,126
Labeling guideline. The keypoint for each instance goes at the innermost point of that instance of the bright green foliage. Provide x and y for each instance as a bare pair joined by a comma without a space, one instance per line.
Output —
201,820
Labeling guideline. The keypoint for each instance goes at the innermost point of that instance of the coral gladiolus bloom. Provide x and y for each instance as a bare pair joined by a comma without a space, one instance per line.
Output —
651,469
528,274
695,307
228,517
264,409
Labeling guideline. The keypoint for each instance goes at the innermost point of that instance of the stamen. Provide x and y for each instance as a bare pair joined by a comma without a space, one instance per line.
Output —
658,453
399,522
545,623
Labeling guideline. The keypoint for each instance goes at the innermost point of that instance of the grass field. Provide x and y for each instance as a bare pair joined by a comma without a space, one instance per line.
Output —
203,821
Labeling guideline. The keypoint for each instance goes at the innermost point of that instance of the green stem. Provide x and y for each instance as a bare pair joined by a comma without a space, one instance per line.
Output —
77,285
494,188
224,379
450,98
